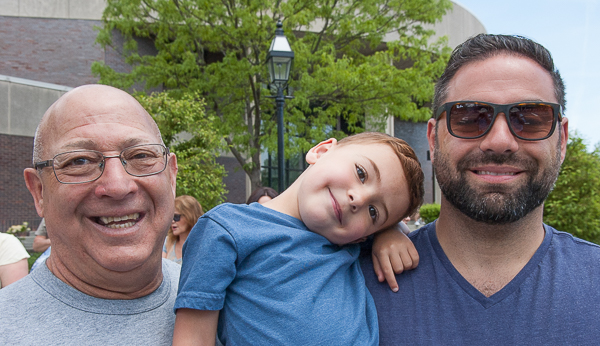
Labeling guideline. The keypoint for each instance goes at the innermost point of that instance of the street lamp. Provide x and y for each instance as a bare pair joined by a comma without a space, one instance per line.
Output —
279,60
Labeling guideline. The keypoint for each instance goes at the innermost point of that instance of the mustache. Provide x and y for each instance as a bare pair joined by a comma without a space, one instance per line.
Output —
484,158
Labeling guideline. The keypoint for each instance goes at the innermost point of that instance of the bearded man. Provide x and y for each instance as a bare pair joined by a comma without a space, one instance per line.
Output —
490,271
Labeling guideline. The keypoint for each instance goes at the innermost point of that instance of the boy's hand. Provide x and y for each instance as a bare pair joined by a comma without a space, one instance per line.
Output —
393,252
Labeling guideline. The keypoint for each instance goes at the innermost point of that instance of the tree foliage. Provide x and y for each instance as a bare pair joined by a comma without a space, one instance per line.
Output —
429,212
191,135
574,204
343,70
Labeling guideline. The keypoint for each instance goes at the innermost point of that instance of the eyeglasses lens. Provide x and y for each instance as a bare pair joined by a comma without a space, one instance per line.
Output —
144,159
470,119
176,217
529,121
87,165
76,166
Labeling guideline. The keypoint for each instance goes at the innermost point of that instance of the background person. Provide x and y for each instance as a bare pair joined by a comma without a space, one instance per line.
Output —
13,260
187,213
41,242
262,195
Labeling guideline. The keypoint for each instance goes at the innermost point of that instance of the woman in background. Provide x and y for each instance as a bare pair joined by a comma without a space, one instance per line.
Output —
13,260
262,195
187,212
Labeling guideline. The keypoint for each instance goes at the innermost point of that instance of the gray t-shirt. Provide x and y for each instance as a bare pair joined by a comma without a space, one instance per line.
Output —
41,309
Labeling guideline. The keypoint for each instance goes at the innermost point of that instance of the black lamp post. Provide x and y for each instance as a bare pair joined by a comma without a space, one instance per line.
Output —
280,59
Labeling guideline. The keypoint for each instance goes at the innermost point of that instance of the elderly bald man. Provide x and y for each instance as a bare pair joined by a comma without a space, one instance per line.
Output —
105,184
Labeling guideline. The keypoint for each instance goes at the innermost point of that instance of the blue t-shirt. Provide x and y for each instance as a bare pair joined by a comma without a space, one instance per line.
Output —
275,282
554,300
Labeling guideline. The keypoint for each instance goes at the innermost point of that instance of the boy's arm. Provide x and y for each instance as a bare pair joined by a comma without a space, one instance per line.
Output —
195,327
392,253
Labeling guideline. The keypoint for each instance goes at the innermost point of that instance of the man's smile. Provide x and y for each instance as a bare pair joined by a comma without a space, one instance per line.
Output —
118,221
493,173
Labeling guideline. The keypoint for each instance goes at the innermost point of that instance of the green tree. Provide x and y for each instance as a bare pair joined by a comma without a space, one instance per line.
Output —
191,135
344,71
429,212
574,204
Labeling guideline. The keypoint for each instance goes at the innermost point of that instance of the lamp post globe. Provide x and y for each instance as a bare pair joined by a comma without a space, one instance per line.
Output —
279,60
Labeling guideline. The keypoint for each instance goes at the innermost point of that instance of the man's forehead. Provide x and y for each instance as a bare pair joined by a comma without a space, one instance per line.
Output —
94,144
502,78
83,121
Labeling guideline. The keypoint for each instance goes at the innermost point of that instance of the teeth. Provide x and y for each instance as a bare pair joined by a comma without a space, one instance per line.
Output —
108,220
494,173
121,225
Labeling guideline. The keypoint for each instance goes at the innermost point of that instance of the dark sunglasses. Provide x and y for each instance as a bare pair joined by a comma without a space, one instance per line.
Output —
176,217
529,121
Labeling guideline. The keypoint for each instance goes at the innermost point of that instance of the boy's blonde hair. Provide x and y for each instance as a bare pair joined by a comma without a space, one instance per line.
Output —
408,159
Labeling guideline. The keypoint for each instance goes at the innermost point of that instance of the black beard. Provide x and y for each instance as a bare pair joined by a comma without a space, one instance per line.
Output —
495,205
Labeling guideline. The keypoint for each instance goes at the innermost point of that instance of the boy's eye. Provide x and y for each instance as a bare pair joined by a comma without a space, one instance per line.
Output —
362,175
373,213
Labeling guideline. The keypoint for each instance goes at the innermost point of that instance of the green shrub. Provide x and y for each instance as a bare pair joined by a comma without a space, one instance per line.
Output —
33,256
429,212
574,204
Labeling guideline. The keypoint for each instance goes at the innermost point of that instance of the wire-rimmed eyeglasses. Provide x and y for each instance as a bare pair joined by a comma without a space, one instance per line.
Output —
84,166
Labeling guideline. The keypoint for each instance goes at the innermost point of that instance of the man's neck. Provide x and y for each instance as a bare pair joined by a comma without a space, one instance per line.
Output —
109,284
488,256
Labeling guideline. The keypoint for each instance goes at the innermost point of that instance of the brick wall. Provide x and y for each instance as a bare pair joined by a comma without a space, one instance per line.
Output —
59,51
16,203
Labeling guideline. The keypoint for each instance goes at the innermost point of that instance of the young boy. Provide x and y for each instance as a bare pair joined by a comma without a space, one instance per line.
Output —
286,272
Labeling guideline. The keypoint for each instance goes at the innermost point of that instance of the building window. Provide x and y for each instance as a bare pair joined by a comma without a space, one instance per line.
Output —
294,166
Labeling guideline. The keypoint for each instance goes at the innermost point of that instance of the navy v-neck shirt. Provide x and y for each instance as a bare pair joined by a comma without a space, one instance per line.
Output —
554,300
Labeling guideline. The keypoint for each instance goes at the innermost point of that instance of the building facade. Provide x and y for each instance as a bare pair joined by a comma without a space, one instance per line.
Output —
47,48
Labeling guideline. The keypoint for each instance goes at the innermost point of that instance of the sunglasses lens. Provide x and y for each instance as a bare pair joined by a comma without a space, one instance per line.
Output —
531,121
176,217
469,119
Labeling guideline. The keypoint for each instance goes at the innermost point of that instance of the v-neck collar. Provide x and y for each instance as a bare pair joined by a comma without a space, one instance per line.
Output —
507,290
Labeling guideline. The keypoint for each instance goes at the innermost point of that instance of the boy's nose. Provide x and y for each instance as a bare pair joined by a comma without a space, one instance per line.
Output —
357,200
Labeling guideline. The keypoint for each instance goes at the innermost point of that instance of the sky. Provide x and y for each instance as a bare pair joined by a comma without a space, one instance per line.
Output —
570,30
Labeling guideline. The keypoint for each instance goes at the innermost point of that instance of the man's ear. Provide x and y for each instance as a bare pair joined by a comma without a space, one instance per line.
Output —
564,134
34,185
318,150
431,137
173,168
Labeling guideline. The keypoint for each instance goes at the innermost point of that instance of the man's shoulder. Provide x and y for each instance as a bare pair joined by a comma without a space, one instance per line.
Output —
171,271
566,237
20,301
16,291
568,244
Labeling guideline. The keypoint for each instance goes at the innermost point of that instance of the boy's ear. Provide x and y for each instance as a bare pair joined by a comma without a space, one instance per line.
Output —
318,150
431,137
